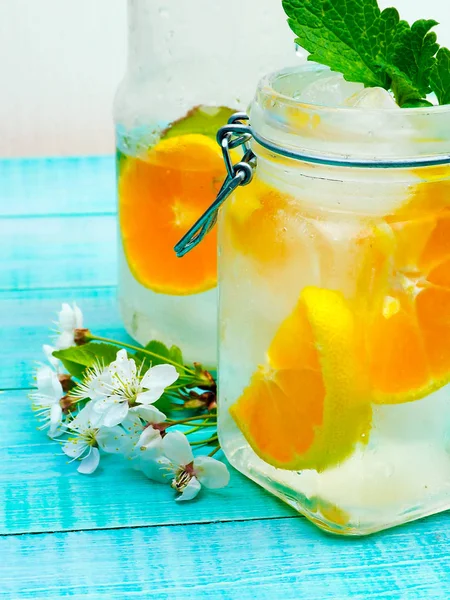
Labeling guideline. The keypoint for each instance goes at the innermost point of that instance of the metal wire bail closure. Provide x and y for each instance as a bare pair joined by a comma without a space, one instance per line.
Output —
233,135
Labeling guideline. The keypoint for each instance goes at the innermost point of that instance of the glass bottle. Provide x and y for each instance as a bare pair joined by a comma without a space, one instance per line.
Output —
190,66
334,285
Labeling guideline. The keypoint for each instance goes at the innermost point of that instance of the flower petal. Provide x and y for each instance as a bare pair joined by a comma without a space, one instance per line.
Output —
87,418
98,383
64,340
159,376
157,469
66,318
55,419
74,447
104,404
115,414
48,351
149,413
123,368
132,423
211,473
77,317
190,491
149,396
150,439
112,439
90,463
48,383
177,448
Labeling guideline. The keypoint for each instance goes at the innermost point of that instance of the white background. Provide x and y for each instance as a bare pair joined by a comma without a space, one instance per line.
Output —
60,63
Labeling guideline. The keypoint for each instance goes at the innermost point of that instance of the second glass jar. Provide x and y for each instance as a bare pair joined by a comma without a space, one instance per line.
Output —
188,71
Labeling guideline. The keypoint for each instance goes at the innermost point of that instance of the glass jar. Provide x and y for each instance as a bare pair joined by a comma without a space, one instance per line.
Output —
176,93
335,309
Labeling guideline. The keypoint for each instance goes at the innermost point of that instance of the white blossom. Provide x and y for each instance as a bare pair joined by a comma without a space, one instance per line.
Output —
54,362
129,391
46,399
96,384
188,474
87,436
70,318
148,445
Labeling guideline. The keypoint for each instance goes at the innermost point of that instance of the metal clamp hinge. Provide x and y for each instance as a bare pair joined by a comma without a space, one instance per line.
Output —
233,135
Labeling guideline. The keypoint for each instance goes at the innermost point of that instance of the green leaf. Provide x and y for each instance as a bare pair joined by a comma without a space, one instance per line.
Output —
176,355
440,76
404,91
156,348
347,35
415,53
206,120
367,45
417,104
161,354
165,404
77,359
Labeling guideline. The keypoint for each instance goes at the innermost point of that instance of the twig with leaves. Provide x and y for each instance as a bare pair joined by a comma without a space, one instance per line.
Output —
98,395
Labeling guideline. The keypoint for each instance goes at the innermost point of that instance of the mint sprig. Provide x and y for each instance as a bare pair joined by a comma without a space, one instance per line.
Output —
372,47
440,76
414,53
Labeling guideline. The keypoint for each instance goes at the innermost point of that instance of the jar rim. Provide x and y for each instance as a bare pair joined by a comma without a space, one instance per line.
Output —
345,136
266,86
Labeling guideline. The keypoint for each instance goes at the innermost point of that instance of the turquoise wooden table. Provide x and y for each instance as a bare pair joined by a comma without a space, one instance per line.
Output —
116,535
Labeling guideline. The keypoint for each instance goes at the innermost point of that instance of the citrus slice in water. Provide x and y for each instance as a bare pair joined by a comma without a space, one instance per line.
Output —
408,335
263,224
307,407
161,195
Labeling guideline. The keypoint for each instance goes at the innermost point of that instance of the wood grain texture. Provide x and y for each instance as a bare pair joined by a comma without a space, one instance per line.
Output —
266,560
41,491
60,186
27,321
57,252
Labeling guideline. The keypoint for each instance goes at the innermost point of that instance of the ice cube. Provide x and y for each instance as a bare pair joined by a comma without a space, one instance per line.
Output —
327,88
373,97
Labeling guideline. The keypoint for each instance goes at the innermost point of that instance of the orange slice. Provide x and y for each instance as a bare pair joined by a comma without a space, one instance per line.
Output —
408,339
160,197
407,327
262,224
306,408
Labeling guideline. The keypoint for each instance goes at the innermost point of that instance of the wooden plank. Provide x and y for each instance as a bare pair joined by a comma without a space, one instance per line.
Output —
58,252
41,491
84,185
27,318
267,560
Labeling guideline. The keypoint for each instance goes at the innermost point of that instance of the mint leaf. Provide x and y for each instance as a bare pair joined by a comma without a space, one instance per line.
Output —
77,359
415,52
201,119
406,94
349,36
367,45
440,76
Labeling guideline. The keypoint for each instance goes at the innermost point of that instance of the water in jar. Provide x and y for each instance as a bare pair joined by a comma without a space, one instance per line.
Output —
335,339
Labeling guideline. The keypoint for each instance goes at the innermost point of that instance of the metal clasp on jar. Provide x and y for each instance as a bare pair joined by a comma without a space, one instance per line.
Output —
233,135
